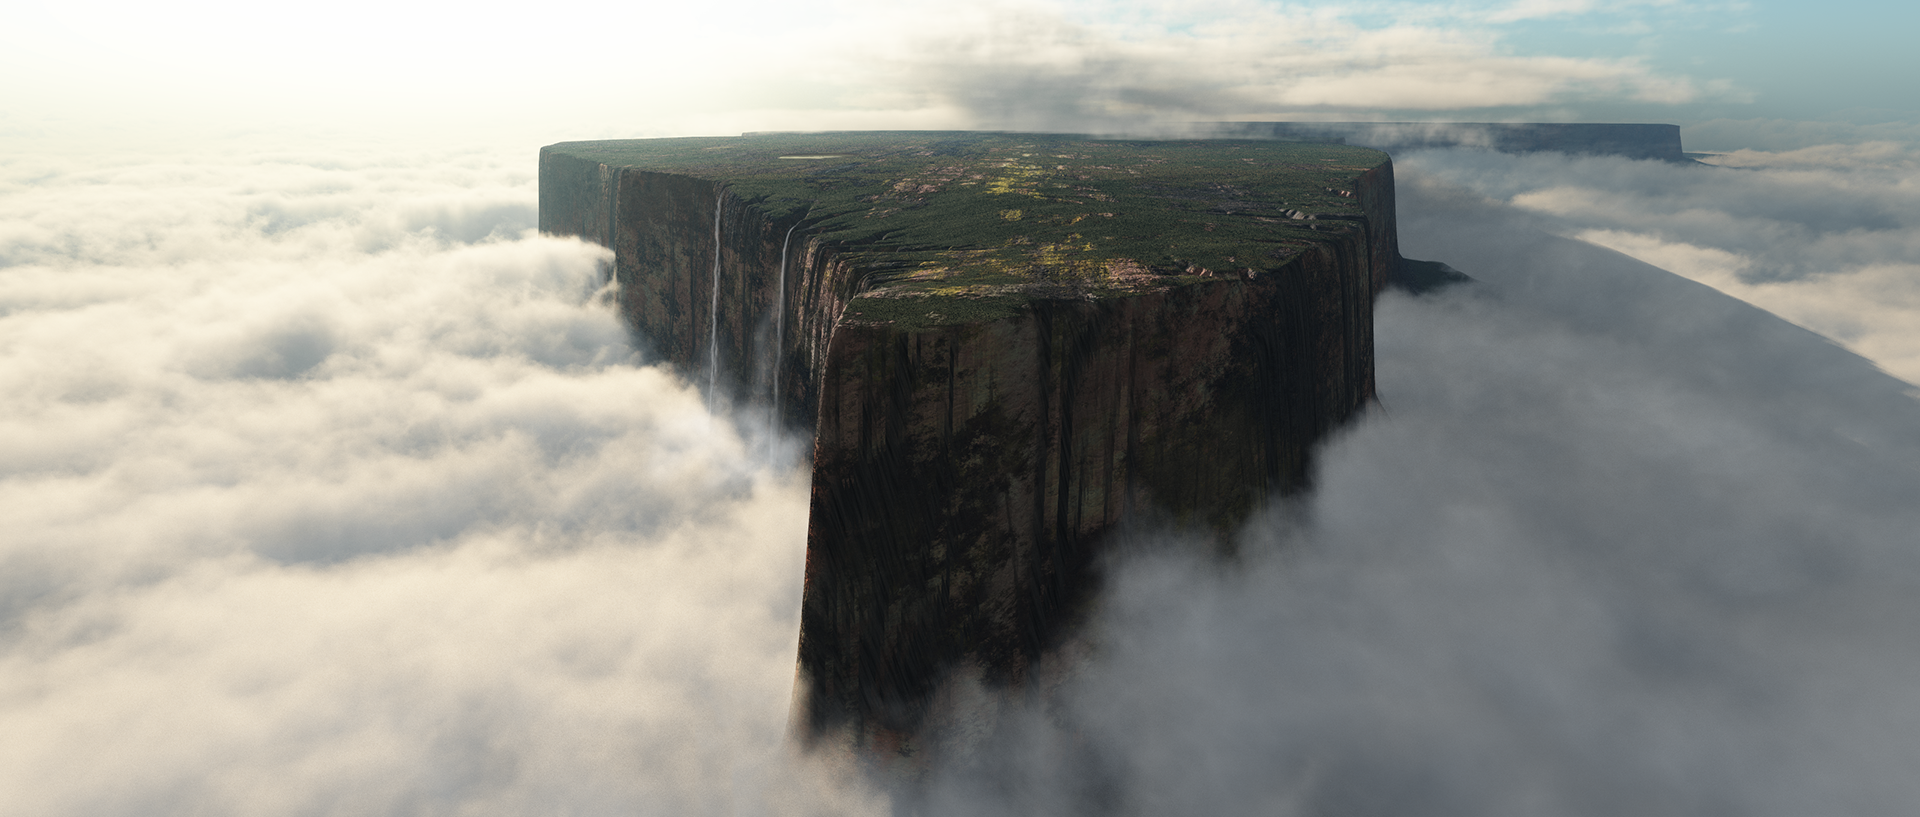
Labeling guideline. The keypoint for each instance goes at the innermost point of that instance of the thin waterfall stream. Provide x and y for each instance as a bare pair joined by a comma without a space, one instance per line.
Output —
780,327
713,309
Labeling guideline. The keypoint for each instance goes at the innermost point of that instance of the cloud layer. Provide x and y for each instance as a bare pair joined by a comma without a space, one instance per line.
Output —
1827,236
332,491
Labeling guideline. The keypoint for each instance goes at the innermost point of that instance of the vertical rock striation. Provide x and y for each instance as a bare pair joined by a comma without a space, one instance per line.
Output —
1005,344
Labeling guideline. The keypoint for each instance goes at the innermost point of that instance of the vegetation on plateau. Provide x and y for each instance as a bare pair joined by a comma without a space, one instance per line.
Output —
954,227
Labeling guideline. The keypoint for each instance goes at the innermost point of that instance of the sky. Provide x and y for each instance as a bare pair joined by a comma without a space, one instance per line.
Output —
122,71
332,488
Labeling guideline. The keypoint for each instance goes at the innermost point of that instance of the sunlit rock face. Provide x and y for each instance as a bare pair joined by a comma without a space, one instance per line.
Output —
1005,345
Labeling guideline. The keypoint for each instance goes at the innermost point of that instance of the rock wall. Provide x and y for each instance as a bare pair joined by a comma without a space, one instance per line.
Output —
965,477
968,475
661,227
576,197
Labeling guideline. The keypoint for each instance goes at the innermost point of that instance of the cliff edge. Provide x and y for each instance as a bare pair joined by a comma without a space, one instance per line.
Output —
1004,345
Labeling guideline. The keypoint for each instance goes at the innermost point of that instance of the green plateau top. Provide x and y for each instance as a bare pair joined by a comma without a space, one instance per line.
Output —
946,227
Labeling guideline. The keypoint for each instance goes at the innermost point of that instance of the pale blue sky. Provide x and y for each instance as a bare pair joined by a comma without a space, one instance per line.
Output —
1799,60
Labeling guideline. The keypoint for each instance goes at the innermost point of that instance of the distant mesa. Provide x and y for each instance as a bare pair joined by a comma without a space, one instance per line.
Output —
1004,345
1421,277
1633,141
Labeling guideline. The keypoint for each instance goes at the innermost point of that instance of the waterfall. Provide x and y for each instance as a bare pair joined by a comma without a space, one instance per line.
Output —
713,309
779,327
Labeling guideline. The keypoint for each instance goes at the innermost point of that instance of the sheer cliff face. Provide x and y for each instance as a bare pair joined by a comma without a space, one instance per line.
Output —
964,476
1120,328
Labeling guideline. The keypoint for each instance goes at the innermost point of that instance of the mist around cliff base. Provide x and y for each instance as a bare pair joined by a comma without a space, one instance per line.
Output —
1612,543
333,490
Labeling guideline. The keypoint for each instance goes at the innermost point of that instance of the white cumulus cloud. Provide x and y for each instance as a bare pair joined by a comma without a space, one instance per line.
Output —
332,490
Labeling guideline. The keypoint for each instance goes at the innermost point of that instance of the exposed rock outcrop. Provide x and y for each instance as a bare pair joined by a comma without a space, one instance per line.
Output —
1005,344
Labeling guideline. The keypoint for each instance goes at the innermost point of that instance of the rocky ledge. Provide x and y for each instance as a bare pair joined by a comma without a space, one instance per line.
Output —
1004,345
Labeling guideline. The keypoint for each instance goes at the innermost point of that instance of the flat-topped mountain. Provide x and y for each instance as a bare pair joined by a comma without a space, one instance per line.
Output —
1004,344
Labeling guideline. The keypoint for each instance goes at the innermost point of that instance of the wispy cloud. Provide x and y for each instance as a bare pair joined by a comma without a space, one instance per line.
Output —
1059,67
1825,235
732,66
1542,9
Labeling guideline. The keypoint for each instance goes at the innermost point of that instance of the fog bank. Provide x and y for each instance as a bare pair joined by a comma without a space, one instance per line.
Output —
332,490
